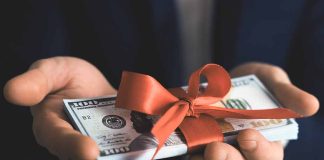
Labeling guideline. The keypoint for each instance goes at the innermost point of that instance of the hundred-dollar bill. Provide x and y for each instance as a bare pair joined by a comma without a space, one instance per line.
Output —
125,134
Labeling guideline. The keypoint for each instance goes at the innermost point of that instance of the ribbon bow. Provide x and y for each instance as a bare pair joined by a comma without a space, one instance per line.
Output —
191,110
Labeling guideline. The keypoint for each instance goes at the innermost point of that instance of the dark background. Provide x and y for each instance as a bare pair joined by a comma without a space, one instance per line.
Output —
17,140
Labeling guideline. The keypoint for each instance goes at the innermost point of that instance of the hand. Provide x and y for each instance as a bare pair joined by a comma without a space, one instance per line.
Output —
252,144
43,87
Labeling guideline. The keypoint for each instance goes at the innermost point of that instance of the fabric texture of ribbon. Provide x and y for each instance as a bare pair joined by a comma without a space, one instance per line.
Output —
191,110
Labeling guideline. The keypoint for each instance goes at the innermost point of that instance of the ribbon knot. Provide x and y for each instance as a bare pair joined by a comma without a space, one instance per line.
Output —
189,102
192,113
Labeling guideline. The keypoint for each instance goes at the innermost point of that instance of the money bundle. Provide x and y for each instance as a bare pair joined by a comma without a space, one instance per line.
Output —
125,134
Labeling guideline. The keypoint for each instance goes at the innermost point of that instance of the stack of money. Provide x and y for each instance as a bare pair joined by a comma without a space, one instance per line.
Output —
125,134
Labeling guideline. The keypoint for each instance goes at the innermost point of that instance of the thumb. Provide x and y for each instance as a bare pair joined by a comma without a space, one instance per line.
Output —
256,147
54,75
31,87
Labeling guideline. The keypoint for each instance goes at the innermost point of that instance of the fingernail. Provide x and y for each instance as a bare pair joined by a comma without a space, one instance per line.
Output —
248,145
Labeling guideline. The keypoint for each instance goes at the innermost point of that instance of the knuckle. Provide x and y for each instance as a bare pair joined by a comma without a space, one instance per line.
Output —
39,63
248,134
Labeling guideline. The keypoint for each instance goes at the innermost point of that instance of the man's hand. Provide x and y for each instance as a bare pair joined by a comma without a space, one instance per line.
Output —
43,87
253,146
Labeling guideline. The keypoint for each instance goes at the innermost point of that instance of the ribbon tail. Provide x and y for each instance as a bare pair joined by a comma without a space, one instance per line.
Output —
276,113
168,123
206,130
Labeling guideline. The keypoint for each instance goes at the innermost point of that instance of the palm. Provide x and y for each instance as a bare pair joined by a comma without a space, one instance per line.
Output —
43,87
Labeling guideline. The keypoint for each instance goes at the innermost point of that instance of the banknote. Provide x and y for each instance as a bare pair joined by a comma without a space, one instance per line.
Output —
125,134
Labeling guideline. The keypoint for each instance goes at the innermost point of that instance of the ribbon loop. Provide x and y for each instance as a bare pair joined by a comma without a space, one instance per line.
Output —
219,81
143,93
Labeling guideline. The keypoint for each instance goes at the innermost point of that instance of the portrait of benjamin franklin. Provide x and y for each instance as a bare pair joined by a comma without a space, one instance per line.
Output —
142,124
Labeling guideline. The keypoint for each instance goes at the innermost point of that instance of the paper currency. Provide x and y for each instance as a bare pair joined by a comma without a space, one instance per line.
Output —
125,134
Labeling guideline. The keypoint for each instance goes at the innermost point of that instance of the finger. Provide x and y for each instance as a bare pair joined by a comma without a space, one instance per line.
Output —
278,83
255,147
296,99
27,89
221,151
50,75
52,131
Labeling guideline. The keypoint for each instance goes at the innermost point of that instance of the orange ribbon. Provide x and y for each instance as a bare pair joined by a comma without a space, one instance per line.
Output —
191,110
